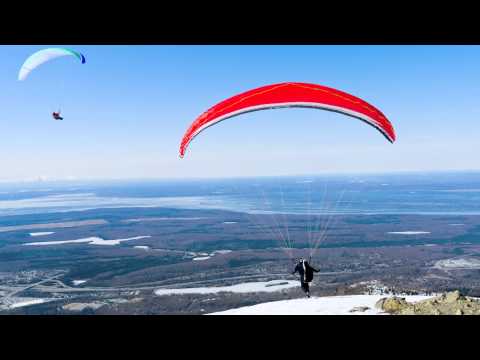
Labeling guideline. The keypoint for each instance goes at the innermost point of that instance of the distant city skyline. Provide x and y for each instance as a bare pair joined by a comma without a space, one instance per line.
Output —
127,108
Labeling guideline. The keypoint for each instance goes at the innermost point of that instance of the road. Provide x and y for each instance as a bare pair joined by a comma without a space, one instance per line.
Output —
17,290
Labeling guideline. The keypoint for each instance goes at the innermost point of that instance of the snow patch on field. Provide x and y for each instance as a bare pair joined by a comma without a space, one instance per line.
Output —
146,219
252,287
220,252
78,282
329,305
27,303
409,232
461,263
201,258
82,306
90,241
45,233
206,256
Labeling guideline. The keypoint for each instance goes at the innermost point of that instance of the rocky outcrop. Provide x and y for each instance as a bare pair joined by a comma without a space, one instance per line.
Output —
451,303
392,305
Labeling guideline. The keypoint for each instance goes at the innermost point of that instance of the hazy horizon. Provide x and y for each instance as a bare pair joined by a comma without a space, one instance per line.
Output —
240,177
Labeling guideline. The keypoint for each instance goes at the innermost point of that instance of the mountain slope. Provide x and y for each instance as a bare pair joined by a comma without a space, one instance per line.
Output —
329,305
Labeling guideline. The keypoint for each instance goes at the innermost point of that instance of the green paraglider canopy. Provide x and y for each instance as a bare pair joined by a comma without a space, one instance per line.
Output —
43,56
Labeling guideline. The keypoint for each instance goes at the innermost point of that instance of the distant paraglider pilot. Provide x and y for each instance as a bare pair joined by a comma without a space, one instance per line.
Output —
56,115
306,275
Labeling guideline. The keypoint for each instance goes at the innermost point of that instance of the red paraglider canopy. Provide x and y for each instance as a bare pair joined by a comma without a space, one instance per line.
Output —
290,94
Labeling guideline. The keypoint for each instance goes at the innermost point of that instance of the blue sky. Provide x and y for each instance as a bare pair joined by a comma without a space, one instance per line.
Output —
127,108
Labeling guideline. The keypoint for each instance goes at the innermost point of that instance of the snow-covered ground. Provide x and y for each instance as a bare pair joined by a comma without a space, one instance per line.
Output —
459,263
221,252
145,219
201,258
329,305
91,241
27,303
251,287
82,306
45,233
205,256
78,282
409,232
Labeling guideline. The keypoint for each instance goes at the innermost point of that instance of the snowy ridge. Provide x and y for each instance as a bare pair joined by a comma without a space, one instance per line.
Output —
328,305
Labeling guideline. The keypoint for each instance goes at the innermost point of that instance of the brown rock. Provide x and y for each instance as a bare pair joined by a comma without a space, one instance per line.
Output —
453,296
451,303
